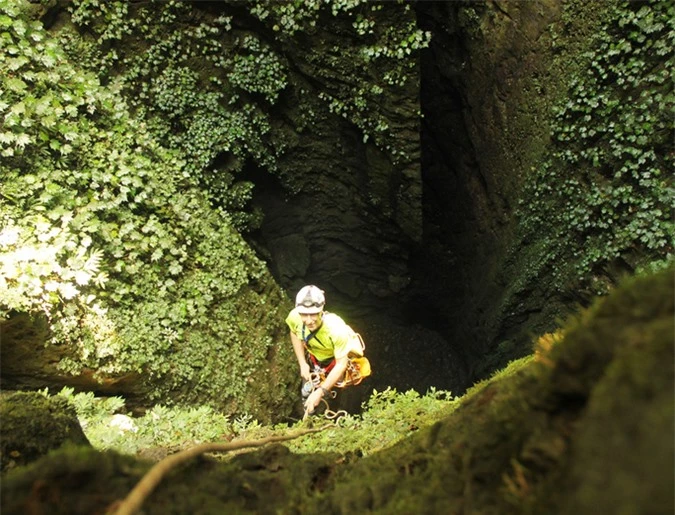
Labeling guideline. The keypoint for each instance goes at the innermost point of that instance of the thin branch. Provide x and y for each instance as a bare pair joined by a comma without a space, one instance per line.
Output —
133,502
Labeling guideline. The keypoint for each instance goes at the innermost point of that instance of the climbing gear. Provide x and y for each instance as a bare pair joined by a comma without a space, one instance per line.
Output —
314,383
307,389
310,300
328,413
309,386
357,370
358,366
321,367
335,415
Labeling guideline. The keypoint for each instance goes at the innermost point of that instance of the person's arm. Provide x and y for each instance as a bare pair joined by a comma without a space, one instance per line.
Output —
333,377
336,373
299,350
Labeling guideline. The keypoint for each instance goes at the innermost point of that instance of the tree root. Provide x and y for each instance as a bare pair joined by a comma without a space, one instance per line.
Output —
133,502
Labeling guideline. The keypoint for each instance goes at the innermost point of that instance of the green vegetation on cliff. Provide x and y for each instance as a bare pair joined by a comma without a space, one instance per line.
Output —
389,415
121,205
574,134
601,202
107,234
207,79
125,127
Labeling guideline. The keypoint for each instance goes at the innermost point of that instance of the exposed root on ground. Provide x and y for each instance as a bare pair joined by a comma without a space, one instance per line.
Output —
133,502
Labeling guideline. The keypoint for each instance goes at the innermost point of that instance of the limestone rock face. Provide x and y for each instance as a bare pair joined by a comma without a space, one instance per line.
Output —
344,211
419,237
491,77
341,209
33,425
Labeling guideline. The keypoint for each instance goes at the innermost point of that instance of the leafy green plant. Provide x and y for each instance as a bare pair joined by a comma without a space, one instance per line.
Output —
388,417
205,88
88,406
160,426
200,115
105,232
259,70
605,193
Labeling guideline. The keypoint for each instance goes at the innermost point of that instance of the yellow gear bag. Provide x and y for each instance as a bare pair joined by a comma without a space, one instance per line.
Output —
358,367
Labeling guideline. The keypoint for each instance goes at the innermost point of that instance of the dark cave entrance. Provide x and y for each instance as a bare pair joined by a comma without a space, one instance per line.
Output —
432,333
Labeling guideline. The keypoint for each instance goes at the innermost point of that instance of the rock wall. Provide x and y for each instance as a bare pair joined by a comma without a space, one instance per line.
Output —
416,247
343,211
347,214
489,80
342,208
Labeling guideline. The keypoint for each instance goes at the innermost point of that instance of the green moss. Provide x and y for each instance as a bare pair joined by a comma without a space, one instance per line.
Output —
80,480
617,361
593,411
589,138
632,316
70,480
33,425
628,418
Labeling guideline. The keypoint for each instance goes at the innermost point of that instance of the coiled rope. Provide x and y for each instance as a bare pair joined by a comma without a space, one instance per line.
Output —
328,413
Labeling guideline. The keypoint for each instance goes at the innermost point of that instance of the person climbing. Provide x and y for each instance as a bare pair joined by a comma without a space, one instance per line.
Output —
332,346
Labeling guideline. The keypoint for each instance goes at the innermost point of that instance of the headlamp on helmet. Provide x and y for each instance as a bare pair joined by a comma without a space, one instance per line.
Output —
310,300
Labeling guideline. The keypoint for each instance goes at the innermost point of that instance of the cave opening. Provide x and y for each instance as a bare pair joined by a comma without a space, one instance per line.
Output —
424,336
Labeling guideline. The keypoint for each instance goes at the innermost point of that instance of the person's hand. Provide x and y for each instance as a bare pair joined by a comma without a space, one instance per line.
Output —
304,371
313,400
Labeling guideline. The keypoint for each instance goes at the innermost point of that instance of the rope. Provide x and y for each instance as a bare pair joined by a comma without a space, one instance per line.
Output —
329,414
335,416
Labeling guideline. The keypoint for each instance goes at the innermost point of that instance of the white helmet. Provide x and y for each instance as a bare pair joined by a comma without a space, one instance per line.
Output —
310,300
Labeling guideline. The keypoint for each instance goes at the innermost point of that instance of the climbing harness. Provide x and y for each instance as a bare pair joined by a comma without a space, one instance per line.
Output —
358,366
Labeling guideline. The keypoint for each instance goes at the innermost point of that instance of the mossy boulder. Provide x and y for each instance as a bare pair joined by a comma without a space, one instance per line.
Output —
84,480
33,425
71,480
618,362
584,426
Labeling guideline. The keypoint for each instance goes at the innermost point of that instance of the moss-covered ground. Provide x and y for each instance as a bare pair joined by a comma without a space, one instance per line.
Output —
584,425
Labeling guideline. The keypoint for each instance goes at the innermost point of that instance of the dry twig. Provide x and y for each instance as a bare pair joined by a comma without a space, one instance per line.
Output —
132,503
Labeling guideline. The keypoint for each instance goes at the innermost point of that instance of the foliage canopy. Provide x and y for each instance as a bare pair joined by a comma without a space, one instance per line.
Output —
106,233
